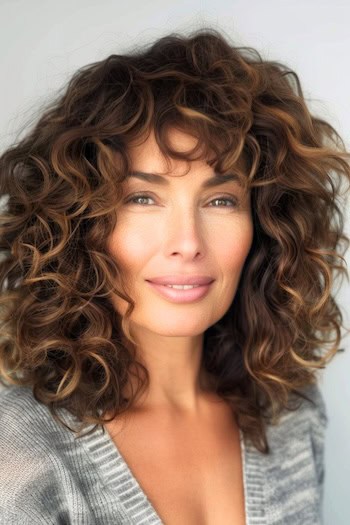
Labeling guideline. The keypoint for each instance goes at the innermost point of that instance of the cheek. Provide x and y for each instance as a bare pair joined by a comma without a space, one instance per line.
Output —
232,246
131,246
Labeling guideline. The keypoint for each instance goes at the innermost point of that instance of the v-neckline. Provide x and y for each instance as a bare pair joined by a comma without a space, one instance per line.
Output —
120,480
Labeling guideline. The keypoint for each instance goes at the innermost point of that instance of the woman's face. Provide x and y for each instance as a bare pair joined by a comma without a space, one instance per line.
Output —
179,228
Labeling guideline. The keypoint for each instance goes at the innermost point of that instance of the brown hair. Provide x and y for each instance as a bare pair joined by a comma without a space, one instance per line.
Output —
60,333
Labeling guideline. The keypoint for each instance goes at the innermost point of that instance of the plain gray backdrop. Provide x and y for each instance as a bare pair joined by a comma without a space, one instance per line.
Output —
42,43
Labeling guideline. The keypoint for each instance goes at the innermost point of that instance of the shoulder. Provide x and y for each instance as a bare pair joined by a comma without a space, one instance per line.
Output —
295,463
23,419
24,434
28,429
30,441
308,416
308,403
307,420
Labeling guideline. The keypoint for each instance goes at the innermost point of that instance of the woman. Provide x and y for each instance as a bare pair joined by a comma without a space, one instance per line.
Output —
170,237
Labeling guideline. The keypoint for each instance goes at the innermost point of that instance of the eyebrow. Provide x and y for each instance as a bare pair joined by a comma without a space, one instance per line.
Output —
216,180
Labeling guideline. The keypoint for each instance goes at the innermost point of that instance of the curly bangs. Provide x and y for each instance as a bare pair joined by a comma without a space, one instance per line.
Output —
61,187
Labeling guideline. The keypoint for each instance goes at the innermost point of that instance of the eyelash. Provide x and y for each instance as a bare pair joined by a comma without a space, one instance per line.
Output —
145,195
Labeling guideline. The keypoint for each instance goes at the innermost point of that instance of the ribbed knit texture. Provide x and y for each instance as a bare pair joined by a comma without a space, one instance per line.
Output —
48,476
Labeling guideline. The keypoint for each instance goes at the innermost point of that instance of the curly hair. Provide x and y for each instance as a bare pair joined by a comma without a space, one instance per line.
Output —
62,186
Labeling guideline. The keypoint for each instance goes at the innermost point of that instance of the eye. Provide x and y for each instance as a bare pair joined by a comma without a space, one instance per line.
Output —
134,198
223,198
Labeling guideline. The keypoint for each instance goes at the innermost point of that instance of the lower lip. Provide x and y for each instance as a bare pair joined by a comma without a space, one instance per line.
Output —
182,296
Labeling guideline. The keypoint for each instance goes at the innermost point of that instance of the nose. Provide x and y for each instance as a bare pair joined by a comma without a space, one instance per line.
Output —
184,234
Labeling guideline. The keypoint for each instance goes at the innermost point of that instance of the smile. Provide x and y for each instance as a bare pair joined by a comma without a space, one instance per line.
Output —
178,293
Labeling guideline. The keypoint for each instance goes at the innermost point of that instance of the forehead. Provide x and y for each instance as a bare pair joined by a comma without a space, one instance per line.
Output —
146,150
148,162
215,180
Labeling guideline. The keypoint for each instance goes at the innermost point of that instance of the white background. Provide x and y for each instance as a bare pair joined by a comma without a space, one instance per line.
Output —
43,42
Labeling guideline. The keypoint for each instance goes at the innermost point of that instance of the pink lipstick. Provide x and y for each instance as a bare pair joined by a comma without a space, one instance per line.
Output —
182,295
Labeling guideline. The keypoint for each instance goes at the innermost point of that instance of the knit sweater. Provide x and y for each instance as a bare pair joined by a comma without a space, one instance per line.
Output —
48,476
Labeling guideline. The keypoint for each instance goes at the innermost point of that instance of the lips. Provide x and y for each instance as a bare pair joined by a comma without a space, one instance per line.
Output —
182,279
174,295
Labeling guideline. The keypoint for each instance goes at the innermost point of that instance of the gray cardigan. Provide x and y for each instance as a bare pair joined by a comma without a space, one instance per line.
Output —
49,477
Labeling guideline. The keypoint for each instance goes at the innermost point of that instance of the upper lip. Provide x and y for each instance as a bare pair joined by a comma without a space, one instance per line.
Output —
182,279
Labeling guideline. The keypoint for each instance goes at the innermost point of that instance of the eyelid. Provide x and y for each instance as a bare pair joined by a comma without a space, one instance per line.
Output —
152,196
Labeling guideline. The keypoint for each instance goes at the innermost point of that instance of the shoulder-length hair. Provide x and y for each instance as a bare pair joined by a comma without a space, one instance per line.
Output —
62,184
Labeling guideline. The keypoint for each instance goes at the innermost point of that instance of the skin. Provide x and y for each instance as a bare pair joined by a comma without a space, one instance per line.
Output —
180,228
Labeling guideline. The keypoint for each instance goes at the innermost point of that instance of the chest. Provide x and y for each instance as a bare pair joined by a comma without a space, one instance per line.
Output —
190,471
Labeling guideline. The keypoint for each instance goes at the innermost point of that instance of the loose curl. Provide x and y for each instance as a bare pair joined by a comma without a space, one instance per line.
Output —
62,184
